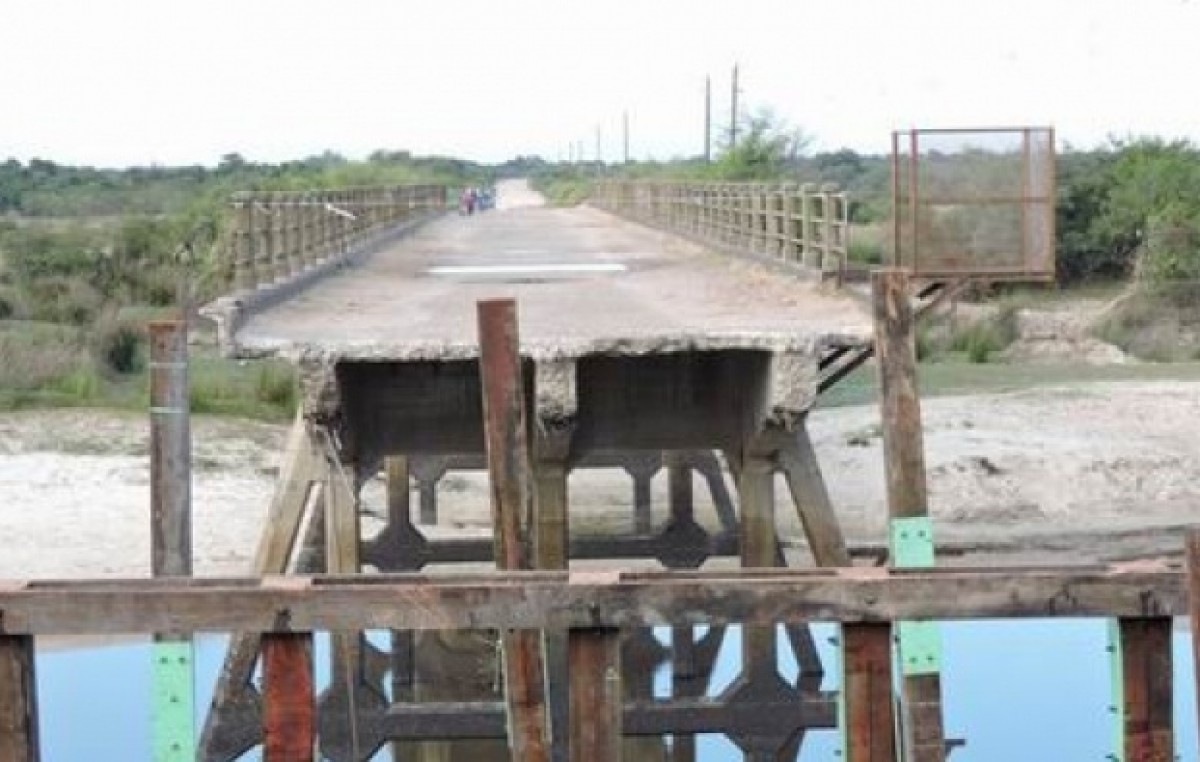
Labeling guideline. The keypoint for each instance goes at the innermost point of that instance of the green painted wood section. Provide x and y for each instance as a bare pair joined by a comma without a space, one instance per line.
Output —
173,702
919,643
1116,707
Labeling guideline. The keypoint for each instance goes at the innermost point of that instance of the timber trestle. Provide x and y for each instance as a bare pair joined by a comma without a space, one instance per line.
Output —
424,713
433,696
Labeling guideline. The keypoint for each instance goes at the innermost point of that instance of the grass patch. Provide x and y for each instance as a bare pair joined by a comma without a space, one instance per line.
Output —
1158,324
46,365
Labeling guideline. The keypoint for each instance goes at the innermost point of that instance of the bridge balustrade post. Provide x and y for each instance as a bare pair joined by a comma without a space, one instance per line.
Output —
807,250
785,222
305,238
791,229
243,243
265,265
744,214
742,232
345,224
362,201
295,220
317,219
829,259
323,227
841,228
279,243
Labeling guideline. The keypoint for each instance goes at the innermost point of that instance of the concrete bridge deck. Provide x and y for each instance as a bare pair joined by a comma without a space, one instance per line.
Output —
587,283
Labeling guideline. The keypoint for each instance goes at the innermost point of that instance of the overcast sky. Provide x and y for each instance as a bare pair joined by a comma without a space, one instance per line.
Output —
119,82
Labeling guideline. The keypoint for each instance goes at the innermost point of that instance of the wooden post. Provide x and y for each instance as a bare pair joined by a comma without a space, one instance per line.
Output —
1147,701
289,707
911,532
550,551
174,736
299,470
756,498
870,723
596,696
802,472
508,470
170,451
18,700
1193,575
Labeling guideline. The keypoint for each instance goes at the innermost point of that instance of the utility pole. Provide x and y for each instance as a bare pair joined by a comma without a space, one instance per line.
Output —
733,109
599,143
708,119
625,136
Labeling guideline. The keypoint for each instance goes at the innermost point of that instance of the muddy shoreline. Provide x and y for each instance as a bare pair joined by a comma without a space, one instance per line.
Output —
1071,474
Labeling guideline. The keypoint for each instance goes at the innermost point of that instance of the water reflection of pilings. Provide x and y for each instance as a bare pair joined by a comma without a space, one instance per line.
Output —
441,691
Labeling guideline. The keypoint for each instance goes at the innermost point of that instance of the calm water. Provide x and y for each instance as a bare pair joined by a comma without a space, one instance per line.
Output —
1031,690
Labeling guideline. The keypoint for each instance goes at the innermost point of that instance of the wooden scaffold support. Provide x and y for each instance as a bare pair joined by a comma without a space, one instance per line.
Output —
508,469
911,531
233,723
174,735
18,700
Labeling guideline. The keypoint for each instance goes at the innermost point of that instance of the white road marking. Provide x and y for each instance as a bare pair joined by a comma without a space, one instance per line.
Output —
537,269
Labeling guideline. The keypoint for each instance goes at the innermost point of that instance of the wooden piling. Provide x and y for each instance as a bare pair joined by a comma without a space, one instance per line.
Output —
870,724
759,544
806,483
1193,576
170,452
508,469
904,466
18,700
1147,701
289,706
596,696
174,735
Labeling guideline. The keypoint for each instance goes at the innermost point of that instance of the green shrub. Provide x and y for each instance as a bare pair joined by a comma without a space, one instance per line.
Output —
117,345
12,305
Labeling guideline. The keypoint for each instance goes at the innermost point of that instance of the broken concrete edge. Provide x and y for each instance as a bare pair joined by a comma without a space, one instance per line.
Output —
790,391
560,349
229,313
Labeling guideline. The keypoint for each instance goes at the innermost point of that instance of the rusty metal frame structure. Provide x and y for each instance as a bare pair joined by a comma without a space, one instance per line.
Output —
926,254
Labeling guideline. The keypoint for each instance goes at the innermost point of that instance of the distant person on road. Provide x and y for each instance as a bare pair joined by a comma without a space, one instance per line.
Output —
466,202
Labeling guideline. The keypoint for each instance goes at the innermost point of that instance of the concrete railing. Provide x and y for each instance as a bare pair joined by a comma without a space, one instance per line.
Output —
805,224
276,236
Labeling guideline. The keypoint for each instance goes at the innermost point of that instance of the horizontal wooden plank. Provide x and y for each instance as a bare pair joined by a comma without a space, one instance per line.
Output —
523,600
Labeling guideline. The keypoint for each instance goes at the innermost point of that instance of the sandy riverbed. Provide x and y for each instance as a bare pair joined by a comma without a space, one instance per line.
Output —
1066,474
